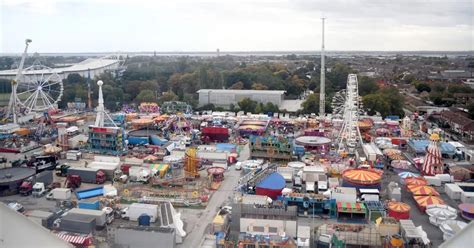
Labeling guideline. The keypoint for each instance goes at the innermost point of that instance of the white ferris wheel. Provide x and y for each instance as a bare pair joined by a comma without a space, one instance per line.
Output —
40,89
349,136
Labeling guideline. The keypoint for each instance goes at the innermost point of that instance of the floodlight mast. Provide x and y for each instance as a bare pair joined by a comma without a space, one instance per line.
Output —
14,101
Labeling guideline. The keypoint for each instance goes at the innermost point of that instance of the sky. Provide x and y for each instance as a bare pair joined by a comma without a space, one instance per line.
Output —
61,26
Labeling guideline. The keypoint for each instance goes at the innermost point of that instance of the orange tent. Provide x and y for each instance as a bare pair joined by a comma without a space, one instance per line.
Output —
398,210
362,176
415,181
422,190
425,200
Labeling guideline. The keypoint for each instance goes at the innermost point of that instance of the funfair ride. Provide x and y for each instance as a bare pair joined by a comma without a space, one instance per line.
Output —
14,101
349,136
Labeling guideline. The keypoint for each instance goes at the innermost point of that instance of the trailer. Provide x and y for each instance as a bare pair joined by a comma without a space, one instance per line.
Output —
94,205
99,215
108,168
453,191
369,152
77,223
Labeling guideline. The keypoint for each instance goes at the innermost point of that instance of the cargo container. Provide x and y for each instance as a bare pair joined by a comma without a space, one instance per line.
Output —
61,194
94,205
73,155
137,209
453,191
256,199
77,223
467,197
99,215
433,181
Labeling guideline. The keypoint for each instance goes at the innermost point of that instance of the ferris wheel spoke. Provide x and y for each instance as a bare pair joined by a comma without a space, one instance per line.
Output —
48,97
46,80
24,92
49,84
45,100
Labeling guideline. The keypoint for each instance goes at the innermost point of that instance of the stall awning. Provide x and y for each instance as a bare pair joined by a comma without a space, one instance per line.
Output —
349,207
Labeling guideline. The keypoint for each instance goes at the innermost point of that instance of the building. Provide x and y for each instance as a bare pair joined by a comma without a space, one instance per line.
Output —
90,66
458,123
268,220
224,98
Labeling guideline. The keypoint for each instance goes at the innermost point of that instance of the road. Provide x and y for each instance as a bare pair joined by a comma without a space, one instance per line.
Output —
219,198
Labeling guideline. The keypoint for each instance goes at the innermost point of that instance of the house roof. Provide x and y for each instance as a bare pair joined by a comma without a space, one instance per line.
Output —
456,118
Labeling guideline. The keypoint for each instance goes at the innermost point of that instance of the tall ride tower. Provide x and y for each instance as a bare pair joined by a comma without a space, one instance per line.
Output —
322,88
14,103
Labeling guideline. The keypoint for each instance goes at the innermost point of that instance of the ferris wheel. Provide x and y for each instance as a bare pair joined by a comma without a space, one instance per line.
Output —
40,88
339,101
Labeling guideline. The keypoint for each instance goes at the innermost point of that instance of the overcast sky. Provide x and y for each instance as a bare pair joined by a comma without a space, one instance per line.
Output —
235,25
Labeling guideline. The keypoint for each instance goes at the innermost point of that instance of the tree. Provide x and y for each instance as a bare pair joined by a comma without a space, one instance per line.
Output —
259,86
247,105
311,104
420,87
367,86
237,86
145,96
386,102
168,97
258,109
74,78
270,107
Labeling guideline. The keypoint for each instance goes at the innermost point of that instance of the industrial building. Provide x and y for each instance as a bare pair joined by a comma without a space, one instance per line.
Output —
224,98
90,67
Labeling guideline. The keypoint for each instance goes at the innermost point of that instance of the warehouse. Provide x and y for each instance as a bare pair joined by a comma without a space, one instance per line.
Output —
224,98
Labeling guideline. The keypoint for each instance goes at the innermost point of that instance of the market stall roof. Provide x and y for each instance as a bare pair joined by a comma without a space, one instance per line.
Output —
374,205
273,181
398,206
422,190
419,146
415,181
362,176
406,174
350,207
443,212
425,200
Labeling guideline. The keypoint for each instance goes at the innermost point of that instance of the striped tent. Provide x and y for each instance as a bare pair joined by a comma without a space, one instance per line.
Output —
415,181
350,207
433,159
422,190
75,239
424,200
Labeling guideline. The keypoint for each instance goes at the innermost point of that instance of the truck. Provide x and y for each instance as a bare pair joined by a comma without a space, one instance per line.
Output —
59,194
139,174
61,170
73,181
42,163
137,209
88,175
26,187
38,190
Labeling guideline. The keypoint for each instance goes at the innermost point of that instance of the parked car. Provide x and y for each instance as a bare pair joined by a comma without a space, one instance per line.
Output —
16,206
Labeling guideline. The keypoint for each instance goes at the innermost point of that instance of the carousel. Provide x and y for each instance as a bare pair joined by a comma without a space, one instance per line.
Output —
398,210
362,178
